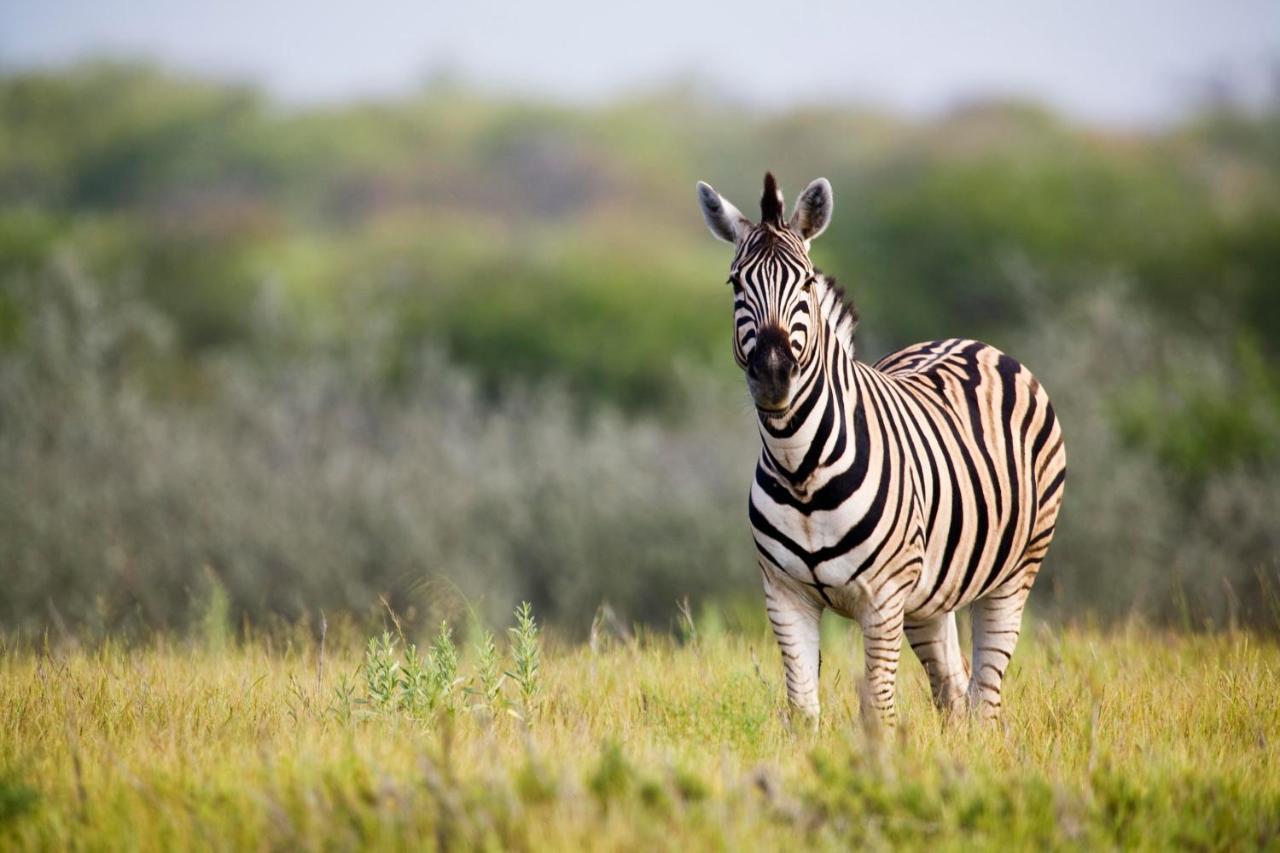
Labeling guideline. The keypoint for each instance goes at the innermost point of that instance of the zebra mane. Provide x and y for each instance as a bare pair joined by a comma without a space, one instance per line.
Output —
843,311
771,210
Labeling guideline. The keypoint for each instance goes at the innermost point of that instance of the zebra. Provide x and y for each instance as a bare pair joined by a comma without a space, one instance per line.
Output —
893,494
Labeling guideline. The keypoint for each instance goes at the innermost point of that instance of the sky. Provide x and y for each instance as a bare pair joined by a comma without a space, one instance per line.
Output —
1119,62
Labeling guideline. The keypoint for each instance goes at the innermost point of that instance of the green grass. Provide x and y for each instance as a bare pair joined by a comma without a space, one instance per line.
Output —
1133,738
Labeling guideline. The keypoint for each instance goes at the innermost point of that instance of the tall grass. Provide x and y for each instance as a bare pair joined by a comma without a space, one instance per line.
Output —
1134,738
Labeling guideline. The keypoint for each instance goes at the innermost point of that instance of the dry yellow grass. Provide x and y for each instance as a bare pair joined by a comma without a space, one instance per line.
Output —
1133,738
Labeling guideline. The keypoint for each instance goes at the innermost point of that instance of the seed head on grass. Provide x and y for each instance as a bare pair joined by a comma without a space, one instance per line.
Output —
688,627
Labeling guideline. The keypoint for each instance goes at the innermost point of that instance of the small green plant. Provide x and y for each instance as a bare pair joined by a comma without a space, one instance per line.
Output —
444,668
489,675
418,683
382,673
526,657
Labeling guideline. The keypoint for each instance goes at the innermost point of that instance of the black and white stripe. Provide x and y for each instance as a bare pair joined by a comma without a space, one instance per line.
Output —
894,493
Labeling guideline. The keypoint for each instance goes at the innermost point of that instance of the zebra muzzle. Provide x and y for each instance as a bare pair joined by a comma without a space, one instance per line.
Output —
771,368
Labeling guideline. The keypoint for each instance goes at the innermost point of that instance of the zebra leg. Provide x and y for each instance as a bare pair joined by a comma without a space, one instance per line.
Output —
997,621
882,630
795,616
937,645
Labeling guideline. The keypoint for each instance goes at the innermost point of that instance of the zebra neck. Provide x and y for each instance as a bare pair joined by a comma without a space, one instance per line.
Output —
815,430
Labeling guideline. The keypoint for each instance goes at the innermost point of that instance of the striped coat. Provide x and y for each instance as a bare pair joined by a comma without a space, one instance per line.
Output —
894,493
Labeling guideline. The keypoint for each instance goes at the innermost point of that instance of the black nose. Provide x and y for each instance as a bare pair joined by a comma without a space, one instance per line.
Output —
771,367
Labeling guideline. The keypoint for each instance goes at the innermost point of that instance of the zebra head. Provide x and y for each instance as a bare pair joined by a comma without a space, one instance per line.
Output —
774,309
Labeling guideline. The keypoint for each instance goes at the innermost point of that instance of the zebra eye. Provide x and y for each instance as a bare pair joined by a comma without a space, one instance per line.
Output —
808,284
733,280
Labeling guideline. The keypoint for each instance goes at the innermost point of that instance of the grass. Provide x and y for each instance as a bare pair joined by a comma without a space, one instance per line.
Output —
1131,738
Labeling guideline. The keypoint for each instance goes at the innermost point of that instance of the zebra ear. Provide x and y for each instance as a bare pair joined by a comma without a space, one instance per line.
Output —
813,209
724,220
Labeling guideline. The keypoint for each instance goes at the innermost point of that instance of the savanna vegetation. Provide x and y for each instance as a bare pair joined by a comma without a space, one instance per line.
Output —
1132,739
277,379
312,356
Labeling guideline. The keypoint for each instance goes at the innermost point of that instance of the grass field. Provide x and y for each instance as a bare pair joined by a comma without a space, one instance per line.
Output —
1132,738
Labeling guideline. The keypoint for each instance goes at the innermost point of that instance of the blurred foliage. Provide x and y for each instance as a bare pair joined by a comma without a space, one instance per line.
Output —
214,312
293,484
536,240
1200,425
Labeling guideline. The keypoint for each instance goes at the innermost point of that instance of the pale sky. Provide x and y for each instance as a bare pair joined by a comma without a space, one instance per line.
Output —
1122,61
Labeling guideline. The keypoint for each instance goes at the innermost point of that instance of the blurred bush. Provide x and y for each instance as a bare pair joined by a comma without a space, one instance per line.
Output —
309,485
1170,515
324,354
